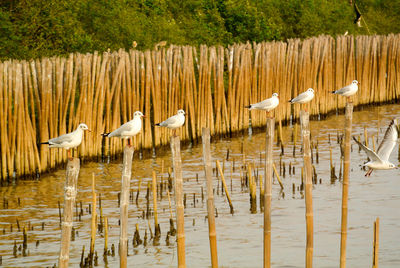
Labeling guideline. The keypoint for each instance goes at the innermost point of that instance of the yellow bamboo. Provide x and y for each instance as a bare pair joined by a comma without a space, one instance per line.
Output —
225,187
94,216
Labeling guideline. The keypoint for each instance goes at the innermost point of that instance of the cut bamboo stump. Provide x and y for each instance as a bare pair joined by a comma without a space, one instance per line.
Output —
177,166
268,190
94,216
124,203
305,132
69,204
210,196
345,183
376,244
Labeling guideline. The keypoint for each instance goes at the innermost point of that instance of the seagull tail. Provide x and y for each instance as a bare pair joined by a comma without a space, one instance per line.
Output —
290,101
247,106
333,91
105,134
45,142
158,124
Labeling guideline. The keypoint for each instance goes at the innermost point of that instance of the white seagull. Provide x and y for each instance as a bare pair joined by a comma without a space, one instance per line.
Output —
348,90
174,122
129,129
380,159
266,105
304,97
69,140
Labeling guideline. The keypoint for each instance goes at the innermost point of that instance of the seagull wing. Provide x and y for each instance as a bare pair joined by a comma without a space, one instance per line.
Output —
343,90
300,97
371,154
389,141
119,131
169,121
262,104
66,138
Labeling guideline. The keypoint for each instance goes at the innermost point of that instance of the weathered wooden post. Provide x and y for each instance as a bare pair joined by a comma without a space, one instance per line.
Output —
124,203
305,132
93,225
177,166
345,183
268,189
376,244
210,196
69,205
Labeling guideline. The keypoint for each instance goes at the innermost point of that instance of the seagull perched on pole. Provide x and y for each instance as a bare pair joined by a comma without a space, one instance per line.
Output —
380,158
129,129
174,122
69,140
304,97
266,105
348,90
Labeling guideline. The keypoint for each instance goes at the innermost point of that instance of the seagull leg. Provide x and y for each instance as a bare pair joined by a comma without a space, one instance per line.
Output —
268,115
69,155
174,132
129,142
368,172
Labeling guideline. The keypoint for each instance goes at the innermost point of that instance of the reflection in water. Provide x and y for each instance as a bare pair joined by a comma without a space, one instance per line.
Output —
34,204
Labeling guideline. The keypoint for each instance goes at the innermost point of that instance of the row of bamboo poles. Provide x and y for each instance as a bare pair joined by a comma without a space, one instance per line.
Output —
44,98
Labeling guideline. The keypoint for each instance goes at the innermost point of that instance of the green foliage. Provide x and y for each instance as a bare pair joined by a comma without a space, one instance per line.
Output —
36,28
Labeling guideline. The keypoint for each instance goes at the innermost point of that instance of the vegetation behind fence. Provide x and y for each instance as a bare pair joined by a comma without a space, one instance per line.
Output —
45,98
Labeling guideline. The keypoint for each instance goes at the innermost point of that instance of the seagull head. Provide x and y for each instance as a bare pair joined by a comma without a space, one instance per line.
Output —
355,82
275,95
310,90
138,114
182,112
83,127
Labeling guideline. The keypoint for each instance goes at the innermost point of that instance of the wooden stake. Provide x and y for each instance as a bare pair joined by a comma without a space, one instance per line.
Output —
210,196
94,216
157,231
346,176
376,244
225,187
125,185
69,204
177,166
277,176
305,131
105,235
268,190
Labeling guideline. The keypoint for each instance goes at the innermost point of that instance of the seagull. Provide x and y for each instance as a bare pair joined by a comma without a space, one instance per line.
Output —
69,140
174,122
348,90
266,105
304,97
380,159
129,129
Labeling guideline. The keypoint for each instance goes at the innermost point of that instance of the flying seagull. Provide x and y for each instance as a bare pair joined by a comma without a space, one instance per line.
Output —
69,140
348,90
266,105
174,122
129,129
380,159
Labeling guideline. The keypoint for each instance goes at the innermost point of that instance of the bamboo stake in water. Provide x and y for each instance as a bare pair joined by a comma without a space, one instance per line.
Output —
94,216
177,166
105,235
268,190
210,196
69,204
126,177
225,187
376,244
277,176
157,231
305,131
345,187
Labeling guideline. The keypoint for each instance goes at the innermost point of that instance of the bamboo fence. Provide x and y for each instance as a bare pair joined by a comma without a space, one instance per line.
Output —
44,98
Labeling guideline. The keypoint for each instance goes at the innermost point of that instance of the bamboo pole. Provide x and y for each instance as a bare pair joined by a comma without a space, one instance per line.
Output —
346,176
268,190
225,187
126,177
105,235
177,166
376,244
69,204
157,231
277,176
94,216
305,129
210,196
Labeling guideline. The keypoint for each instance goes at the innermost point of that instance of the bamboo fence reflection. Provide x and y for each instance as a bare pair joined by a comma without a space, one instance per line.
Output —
44,98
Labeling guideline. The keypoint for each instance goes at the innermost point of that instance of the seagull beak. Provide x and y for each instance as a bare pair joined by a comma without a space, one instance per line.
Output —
144,116
89,130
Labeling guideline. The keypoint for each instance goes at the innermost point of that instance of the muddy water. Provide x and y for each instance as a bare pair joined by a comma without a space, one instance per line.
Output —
240,237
